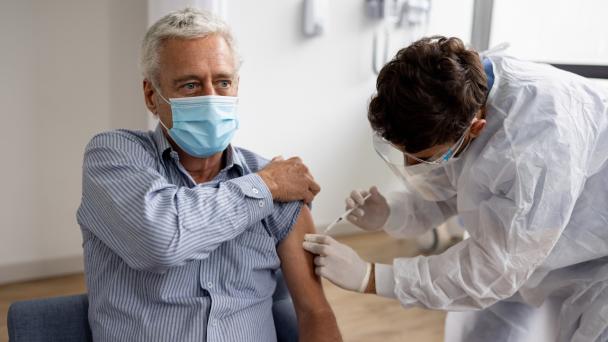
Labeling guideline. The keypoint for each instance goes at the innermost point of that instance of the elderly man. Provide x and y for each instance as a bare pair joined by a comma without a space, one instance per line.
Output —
184,234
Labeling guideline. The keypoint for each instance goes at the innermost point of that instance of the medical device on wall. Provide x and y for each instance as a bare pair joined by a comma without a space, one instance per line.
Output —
410,15
316,13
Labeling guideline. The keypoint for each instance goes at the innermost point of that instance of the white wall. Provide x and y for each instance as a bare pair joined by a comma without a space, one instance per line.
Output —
308,96
69,70
560,31
570,33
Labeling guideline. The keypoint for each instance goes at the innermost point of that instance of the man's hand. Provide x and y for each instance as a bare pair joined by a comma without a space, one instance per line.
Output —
338,263
289,180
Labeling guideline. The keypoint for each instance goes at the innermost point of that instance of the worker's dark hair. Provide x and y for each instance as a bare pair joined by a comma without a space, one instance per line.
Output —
428,94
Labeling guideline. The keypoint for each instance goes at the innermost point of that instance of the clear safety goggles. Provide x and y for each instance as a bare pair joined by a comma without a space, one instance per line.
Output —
395,155
427,177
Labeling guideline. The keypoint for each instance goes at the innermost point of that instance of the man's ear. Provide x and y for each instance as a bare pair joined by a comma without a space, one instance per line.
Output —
477,126
149,93
238,81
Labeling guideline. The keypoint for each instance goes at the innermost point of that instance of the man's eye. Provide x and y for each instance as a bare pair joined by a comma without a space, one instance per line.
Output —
224,84
190,86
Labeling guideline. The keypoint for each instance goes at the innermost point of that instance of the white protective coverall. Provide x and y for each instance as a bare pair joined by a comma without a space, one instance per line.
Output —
532,192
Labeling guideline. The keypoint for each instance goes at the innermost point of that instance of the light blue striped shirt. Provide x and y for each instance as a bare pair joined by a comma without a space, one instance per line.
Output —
167,259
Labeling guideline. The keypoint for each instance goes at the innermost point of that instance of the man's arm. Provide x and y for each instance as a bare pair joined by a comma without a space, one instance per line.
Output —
316,319
152,224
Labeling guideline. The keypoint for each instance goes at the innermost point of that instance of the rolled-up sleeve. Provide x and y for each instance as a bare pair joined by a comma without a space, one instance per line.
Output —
281,221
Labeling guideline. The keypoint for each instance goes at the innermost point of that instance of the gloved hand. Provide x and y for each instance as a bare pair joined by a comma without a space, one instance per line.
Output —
372,213
338,263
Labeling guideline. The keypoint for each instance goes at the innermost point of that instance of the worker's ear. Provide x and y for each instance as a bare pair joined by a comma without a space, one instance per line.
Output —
477,126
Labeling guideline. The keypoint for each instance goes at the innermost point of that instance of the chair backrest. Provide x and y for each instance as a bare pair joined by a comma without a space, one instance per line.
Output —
65,319
60,319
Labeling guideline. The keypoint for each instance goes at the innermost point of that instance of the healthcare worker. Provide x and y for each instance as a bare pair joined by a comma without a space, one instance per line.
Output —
518,150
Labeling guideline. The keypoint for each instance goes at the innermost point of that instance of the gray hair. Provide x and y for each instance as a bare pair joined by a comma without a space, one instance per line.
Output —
186,24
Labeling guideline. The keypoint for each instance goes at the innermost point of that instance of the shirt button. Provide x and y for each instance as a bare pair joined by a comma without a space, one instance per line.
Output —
209,284
214,323
261,204
255,191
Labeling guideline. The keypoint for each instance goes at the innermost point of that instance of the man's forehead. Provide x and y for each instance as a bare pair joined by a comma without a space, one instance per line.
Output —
204,52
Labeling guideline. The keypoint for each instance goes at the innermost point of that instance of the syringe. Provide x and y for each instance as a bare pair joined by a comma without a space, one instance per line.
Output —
343,216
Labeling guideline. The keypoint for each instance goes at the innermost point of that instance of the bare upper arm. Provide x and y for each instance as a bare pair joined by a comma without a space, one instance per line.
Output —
316,320
298,269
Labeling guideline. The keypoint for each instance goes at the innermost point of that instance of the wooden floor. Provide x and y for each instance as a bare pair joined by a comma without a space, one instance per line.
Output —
361,317
365,318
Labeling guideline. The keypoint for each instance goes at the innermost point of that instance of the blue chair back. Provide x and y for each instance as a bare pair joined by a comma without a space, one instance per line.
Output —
65,319
59,319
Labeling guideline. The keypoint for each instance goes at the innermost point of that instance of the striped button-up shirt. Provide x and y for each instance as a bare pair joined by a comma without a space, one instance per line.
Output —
167,259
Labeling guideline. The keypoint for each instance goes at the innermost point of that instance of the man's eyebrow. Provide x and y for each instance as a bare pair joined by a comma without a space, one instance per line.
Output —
185,78
223,75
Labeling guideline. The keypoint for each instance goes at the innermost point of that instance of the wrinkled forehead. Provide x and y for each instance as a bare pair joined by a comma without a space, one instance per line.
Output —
203,56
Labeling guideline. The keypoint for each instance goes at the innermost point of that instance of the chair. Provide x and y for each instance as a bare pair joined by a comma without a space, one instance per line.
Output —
64,319
58,319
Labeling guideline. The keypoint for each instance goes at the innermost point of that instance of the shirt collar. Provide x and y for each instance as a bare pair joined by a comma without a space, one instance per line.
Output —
233,157
162,144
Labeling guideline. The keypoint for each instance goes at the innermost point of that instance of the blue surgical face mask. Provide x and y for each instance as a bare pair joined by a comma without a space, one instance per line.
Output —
203,125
